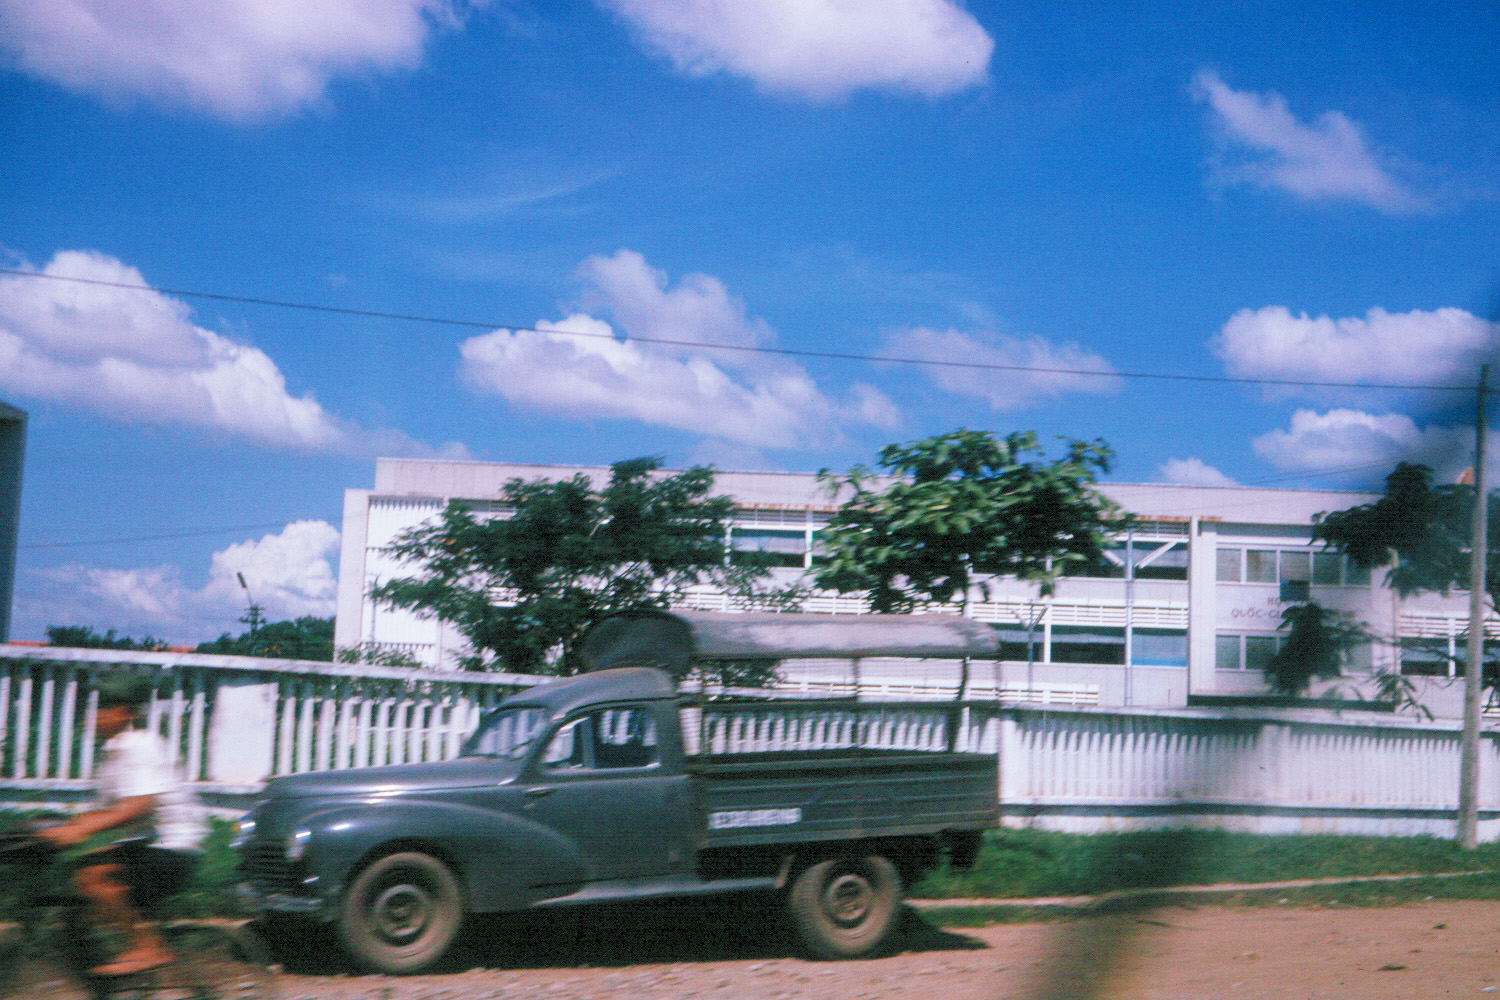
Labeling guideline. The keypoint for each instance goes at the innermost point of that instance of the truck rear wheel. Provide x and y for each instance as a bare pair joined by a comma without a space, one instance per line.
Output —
401,913
846,907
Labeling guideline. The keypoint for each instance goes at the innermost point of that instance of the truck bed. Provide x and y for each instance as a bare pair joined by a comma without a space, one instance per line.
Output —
778,797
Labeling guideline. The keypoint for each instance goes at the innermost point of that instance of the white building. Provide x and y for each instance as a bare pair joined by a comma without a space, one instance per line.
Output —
1212,569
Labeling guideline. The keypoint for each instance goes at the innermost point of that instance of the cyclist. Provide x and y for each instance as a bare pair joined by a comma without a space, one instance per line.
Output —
153,822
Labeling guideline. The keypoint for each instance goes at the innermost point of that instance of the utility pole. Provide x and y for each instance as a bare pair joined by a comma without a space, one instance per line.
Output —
251,616
1129,615
1468,773
1032,621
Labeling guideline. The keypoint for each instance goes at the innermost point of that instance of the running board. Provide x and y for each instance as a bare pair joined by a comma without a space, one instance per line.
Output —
628,889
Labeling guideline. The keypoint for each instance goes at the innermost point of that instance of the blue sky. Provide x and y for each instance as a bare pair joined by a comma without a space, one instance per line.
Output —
1270,191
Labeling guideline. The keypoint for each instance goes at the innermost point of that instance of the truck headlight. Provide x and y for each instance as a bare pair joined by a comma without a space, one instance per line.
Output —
296,843
244,830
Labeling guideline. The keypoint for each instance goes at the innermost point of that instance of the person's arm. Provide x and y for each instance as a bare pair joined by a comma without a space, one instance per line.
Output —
82,827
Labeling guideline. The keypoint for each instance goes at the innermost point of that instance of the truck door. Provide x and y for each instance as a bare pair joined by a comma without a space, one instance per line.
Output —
602,782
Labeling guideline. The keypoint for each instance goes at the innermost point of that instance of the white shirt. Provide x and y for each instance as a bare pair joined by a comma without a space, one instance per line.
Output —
137,762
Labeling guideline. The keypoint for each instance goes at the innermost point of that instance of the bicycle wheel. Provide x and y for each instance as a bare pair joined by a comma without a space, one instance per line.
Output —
215,961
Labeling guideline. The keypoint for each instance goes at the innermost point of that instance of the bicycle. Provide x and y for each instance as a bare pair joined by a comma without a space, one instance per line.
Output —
47,945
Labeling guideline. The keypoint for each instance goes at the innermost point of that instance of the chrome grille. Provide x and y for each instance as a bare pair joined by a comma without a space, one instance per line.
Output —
263,863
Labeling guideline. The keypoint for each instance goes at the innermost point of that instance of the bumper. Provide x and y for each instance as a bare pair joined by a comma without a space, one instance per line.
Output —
255,900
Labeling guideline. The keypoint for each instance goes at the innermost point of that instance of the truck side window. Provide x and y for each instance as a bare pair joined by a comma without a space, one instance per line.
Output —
626,737
567,751
602,739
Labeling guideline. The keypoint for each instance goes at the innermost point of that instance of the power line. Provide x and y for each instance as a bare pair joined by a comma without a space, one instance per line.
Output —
783,351
154,538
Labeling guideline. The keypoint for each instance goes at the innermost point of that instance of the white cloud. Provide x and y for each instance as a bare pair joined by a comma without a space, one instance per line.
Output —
819,49
1416,347
1327,160
290,574
1350,439
236,59
727,457
1051,368
132,355
1192,472
576,368
700,309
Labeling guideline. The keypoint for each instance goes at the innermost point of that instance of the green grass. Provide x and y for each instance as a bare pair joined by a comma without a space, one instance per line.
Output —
1033,863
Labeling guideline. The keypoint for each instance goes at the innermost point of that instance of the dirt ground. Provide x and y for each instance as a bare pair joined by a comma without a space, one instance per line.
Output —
1432,949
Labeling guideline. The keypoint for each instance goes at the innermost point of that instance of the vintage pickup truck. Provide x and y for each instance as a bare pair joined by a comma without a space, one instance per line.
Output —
615,785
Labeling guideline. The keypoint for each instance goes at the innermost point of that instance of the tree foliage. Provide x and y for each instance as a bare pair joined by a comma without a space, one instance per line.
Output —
965,507
84,637
1422,532
1314,648
569,556
1424,528
307,638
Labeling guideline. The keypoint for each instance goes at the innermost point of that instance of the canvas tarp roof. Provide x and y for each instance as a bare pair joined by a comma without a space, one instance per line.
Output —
673,639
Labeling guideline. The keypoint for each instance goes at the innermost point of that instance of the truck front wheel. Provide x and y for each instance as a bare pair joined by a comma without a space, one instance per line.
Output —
846,907
401,913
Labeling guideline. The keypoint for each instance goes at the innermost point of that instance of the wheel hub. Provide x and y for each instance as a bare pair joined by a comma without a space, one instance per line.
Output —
401,912
848,898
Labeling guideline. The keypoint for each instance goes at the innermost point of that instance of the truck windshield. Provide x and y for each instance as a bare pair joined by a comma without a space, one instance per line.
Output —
506,733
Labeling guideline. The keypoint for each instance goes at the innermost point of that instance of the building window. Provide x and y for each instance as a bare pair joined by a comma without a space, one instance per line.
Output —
776,547
1295,592
1013,643
1158,648
1111,568
1359,659
1426,658
1259,649
1260,565
1153,559
1325,568
1244,652
1078,644
1169,565
1295,566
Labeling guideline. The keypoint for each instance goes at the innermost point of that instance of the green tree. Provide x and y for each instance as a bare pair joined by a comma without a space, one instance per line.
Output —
966,507
1421,532
1422,527
1316,643
84,637
568,556
306,638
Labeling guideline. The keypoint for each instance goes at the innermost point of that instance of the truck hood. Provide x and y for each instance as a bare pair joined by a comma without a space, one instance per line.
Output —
464,772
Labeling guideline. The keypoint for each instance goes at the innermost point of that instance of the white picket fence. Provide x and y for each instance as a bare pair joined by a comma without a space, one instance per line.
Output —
236,721
772,727
1274,771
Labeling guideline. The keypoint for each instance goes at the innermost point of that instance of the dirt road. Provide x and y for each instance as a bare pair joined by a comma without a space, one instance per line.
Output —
1432,949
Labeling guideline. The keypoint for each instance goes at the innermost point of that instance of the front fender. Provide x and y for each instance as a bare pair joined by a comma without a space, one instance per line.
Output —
502,861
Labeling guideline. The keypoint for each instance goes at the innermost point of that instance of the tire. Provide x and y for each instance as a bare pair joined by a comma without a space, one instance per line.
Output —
846,907
401,913
218,960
